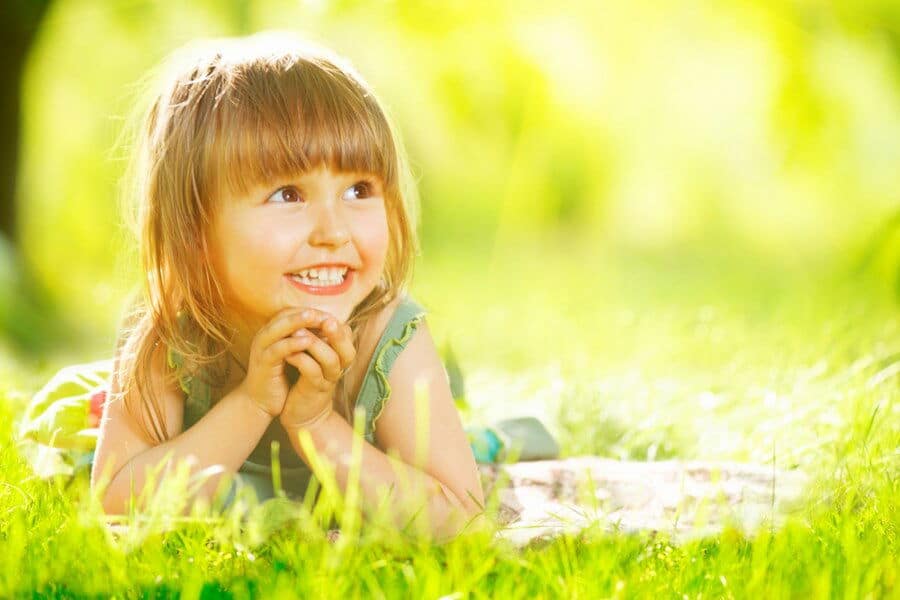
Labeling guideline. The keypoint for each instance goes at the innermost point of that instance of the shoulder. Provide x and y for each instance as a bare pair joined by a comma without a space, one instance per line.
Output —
406,343
124,429
418,352
418,366
156,375
401,309
394,317
384,316
168,394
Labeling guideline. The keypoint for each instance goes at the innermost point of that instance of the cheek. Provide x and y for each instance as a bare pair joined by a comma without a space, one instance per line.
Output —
242,250
372,240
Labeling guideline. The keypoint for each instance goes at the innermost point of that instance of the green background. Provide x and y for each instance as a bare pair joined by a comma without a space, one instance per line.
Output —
764,137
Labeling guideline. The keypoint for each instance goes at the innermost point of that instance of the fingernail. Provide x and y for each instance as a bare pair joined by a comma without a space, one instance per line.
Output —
300,333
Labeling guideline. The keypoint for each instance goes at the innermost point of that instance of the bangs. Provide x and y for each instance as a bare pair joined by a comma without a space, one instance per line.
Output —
272,123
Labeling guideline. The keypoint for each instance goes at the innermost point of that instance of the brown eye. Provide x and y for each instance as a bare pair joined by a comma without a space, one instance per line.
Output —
359,190
286,194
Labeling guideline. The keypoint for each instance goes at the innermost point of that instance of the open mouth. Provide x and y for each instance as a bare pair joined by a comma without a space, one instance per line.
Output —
332,280
329,276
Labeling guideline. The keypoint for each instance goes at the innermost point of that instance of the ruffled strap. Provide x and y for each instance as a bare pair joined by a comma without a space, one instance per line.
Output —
375,389
198,394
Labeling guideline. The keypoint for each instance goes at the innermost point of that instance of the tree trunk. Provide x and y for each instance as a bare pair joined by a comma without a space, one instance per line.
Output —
18,26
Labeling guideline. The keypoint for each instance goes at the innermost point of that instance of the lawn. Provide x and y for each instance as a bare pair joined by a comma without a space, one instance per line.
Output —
696,354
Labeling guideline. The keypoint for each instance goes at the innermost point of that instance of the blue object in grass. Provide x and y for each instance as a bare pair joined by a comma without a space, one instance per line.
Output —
486,444
515,439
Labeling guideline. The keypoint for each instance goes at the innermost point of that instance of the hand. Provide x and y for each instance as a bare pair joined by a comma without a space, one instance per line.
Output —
310,400
266,384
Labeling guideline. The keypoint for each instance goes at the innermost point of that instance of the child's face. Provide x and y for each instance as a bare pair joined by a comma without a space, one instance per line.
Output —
262,239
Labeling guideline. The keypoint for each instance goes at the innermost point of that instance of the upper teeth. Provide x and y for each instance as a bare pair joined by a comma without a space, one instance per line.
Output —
328,273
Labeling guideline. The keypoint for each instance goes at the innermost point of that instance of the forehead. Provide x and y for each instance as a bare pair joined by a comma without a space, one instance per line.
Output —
283,130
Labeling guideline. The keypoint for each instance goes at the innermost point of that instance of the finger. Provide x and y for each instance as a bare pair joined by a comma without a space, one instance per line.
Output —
310,371
276,353
328,359
317,320
281,325
285,322
340,336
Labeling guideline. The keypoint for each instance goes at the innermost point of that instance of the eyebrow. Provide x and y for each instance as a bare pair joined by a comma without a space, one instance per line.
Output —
337,174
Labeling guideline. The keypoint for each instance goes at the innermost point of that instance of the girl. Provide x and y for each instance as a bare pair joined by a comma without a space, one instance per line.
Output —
275,228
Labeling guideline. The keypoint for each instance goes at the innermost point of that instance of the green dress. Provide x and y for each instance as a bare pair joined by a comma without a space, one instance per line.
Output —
295,474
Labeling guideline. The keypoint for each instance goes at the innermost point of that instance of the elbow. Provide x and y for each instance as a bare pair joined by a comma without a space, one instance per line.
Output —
461,517
460,522
112,500
122,497
112,504
105,488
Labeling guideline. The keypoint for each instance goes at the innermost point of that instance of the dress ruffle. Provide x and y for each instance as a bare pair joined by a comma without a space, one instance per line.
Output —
384,360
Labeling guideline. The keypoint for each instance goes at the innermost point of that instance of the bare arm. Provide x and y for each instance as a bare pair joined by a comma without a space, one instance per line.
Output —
225,436
438,490
416,499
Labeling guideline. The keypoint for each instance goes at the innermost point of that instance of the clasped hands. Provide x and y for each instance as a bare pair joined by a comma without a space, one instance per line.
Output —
320,359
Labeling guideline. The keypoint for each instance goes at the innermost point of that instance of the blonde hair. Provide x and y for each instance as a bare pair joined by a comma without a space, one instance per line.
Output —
229,114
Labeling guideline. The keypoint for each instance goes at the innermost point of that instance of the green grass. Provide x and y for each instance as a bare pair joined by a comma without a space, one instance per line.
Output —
694,355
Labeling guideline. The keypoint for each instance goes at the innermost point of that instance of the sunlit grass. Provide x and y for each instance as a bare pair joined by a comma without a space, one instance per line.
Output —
643,124
641,357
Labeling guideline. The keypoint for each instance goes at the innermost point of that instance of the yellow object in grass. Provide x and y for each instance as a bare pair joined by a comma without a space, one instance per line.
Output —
60,415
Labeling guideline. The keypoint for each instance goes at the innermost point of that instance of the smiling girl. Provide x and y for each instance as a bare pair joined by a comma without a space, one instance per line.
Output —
274,225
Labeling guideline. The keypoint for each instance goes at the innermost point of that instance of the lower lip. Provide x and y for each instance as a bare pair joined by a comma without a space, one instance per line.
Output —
329,290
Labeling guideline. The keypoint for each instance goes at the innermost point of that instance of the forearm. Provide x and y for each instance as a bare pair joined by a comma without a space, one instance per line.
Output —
225,436
414,494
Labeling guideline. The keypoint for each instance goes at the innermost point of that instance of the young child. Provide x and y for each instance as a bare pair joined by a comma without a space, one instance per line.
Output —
275,227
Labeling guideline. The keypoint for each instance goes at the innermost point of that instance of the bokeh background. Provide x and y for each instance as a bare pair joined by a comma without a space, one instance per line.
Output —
651,207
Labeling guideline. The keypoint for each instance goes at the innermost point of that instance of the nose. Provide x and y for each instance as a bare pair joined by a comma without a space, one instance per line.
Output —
331,227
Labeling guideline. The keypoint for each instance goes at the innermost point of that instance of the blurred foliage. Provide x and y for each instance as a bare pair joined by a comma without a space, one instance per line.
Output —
762,129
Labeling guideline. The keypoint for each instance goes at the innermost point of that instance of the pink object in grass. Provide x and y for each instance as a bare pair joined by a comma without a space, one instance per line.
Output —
97,401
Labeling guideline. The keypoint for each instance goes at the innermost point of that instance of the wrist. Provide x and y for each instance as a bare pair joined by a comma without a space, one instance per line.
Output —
252,406
293,425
